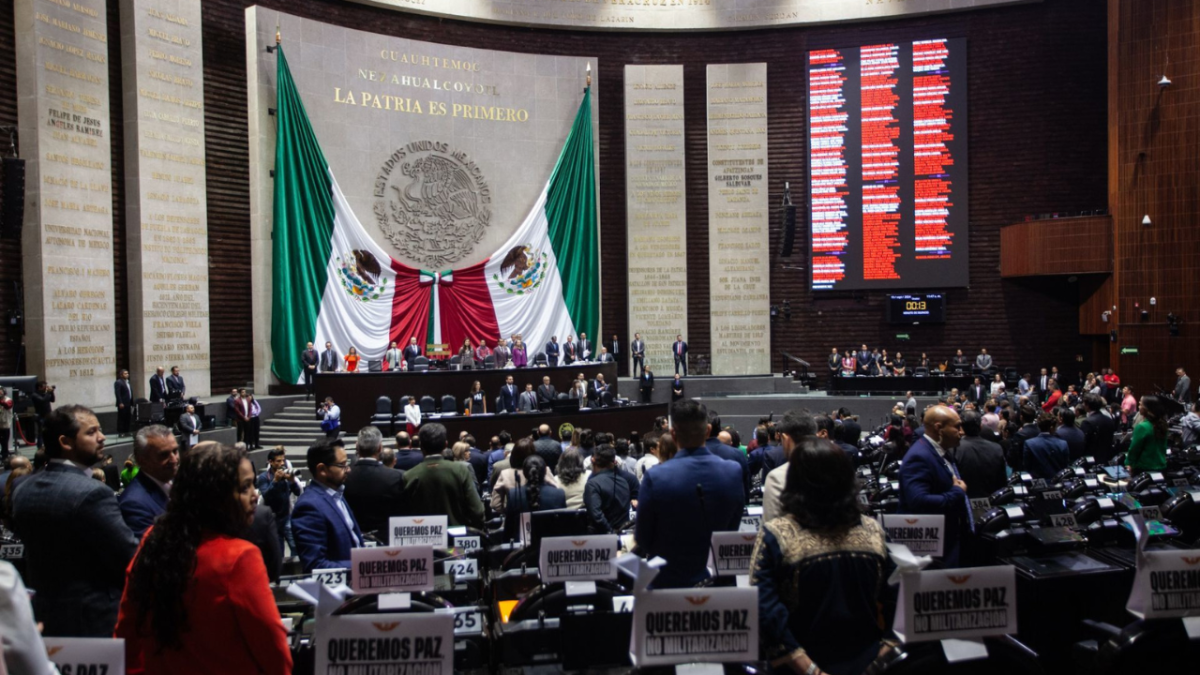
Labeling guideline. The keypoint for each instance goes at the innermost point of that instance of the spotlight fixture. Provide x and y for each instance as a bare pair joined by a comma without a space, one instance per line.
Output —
1164,82
1146,219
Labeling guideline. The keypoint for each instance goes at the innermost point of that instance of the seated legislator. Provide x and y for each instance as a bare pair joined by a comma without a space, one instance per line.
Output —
197,598
929,484
820,569
322,523
533,494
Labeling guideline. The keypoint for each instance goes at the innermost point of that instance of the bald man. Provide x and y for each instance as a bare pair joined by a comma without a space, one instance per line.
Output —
929,483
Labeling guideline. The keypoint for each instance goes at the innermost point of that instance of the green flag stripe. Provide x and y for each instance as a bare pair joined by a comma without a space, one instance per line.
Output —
303,228
571,214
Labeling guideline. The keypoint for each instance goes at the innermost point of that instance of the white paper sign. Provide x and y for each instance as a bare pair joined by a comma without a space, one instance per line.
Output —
923,535
12,551
958,603
578,558
1167,585
86,656
331,577
711,625
417,531
394,569
467,545
731,552
417,643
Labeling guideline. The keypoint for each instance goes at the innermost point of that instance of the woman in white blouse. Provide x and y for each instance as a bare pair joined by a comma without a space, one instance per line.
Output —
572,478
412,415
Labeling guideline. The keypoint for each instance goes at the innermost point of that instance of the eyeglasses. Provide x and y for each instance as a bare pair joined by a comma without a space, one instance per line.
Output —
340,465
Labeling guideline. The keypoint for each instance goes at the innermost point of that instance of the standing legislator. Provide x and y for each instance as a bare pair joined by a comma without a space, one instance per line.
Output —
552,350
411,352
646,384
501,354
546,393
679,349
394,358
638,349
175,384
158,386
615,349
309,360
124,395
330,359
930,484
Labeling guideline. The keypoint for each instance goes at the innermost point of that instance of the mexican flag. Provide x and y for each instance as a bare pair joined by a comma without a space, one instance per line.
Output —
333,283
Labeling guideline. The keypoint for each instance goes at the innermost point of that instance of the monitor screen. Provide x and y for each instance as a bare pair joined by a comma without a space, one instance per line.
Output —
917,308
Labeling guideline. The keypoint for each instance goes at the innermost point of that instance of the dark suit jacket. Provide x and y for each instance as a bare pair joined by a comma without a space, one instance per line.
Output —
586,346
1076,441
322,538
265,535
549,450
927,487
374,493
638,347
408,458
330,361
479,464
646,382
546,394
1045,455
142,502
735,455
158,389
668,490
675,348
508,398
676,386
77,548
981,465
175,383
123,391
1098,430
552,351
773,457
569,351
189,424
978,394
438,486
411,352
309,357
1183,389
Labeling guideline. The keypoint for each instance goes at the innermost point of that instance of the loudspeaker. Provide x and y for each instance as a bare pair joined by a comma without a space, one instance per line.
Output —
12,191
789,231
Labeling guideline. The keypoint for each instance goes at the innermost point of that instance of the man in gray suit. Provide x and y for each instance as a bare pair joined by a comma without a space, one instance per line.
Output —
77,546
1183,387
528,401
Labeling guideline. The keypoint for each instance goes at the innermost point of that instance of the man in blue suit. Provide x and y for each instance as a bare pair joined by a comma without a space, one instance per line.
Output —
695,482
1045,454
716,447
77,547
322,523
929,483
156,451
552,350
508,396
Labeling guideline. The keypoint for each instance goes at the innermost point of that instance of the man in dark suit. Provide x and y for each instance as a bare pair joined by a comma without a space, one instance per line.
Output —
1043,385
189,426
597,391
322,523
646,384
614,348
547,448
1045,454
546,393
1183,387
373,491
478,459
156,451
406,455
697,483
980,462
309,360
638,349
978,393
1098,429
863,361
728,452
676,389
835,364
1029,429
552,351
77,546
679,350
331,361
586,353
264,535
439,486
123,392
231,407
1074,436
158,386
929,483
411,352
175,384
508,396
569,352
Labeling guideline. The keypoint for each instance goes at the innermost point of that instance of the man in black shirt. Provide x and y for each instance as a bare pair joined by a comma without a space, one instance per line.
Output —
606,494
373,491
980,462
1098,429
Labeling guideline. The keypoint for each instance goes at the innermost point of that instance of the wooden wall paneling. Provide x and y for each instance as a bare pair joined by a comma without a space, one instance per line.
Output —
1095,298
10,249
1057,246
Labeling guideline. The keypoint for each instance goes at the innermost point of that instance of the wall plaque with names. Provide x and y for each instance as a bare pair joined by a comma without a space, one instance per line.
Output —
166,247
656,208
739,294
62,104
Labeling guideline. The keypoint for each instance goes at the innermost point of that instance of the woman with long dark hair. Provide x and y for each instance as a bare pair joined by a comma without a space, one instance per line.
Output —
196,596
478,399
512,477
534,494
822,542
1148,447
571,477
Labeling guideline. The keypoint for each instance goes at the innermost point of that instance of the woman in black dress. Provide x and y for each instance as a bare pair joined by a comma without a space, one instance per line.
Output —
478,399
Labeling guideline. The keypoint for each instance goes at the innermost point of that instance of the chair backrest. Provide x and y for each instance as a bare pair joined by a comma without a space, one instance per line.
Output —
539,359
497,408
921,371
489,361
374,366
449,404
1163,643
420,361
455,360
427,405
563,396
383,405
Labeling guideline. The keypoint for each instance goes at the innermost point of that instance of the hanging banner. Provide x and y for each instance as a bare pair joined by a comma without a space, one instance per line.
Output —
397,644
959,603
709,625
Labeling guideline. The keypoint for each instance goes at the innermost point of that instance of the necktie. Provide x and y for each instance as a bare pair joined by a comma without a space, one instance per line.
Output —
966,500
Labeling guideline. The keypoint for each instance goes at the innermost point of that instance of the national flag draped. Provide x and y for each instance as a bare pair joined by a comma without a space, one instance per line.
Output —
332,282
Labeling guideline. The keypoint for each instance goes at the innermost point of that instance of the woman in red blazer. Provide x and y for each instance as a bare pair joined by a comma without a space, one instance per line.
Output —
196,596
